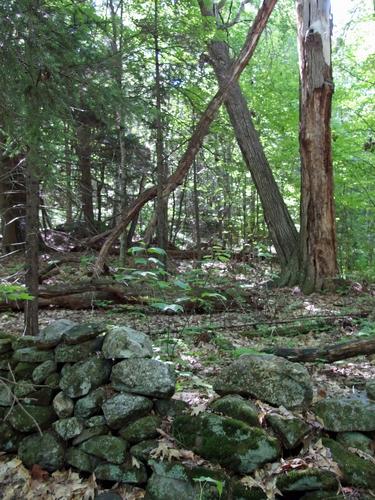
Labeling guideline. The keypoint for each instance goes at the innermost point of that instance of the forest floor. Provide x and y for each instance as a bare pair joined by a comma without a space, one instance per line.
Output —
201,344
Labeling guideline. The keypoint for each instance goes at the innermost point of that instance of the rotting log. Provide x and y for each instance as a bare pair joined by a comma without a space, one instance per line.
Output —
326,353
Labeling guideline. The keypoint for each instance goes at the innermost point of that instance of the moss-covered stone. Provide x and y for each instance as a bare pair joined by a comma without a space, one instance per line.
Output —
63,405
230,442
342,415
39,397
370,389
99,430
25,422
9,438
269,378
110,448
307,480
324,495
91,404
122,409
24,341
45,450
53,381
356,440
290,430
144,428
237,407
81,333
72,353
125,473
146,377
81,460
142,450
85,376
356,471
122,342
32,355
5,345
68,428
171,407
42,371
24,371
240,492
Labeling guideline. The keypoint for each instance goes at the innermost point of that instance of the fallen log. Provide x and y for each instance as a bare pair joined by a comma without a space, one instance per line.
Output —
326,353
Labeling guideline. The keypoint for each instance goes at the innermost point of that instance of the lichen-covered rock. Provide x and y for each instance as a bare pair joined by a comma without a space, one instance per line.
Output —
237,407
42,371
125,473
53,333
81,460
63,405
91,404
230,442
72,353
171,407
26,422
349,414
90,432
35,396
6,396
9,438
269,378
123,408
32,355
142,429
310,479
110,448
85,376
68,428
370,389
24,341
147,377
122,342
44,450
82,333
142,451
356,440
356,471
291,430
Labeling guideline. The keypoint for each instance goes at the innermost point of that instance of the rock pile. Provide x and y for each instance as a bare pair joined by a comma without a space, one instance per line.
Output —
92,398
82,395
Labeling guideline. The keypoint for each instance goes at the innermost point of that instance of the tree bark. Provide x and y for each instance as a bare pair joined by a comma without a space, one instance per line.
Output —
85,180
200,132
318,234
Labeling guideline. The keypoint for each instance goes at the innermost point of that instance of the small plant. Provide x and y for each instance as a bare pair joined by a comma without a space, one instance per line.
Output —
10,292
204,480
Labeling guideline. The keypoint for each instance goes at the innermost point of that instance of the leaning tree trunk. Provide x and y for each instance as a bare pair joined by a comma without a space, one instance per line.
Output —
318,235
199,133
279,222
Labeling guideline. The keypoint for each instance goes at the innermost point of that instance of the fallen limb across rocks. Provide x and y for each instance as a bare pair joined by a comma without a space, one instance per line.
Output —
326,353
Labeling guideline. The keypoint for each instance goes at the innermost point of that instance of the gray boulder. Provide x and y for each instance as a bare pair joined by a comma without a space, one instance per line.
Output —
41,416
81,460
68,428
82,333
342,415
124,473
72,353
268,378
237,407
42,371
356,440
53,333
122,342
148,377
229,442
91,404
109,448
142,429
290,430
32,355
85,376
123,408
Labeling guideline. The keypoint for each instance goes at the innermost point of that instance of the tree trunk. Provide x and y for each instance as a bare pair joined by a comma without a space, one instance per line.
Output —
280,225
327,353
12,202
85,180
199,133
318,234
161,166
198,239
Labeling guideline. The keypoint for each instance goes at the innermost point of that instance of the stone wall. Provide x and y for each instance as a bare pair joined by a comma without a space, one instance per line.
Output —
93,398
